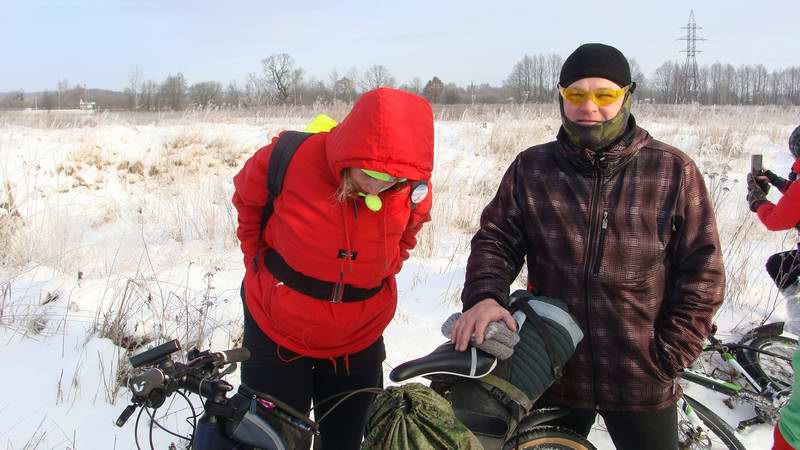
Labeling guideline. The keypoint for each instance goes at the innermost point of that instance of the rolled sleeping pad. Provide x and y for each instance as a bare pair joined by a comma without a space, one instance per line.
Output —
492,406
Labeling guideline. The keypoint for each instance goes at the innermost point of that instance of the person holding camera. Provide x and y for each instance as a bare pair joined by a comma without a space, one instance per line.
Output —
784,268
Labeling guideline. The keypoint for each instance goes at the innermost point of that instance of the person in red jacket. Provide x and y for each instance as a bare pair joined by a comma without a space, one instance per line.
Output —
784,268
786,213
324,289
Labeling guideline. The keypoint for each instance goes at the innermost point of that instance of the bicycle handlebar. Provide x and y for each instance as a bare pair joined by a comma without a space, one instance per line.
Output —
200,375
235,355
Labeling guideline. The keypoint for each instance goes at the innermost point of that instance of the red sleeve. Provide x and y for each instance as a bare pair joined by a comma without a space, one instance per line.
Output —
419,215
784,215
249,197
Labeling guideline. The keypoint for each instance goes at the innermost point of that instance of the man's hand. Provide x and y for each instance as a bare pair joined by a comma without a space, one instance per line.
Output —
476,319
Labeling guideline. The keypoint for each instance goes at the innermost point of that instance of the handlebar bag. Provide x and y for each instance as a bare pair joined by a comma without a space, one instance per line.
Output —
269,424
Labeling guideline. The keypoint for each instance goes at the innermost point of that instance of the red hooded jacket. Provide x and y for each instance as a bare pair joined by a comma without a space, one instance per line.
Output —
786,214
387,131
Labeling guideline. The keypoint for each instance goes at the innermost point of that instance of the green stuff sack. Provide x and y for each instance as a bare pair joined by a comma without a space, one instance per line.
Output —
414,417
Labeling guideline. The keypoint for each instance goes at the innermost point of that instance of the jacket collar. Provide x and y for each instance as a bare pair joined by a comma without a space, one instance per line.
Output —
608,161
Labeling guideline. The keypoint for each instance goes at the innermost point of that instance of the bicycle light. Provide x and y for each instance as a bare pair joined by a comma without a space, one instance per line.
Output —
155,355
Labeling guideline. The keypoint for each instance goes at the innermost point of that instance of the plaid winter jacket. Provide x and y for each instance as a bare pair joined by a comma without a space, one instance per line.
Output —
629,241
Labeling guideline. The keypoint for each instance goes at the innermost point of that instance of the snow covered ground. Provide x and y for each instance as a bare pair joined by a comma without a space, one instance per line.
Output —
118,227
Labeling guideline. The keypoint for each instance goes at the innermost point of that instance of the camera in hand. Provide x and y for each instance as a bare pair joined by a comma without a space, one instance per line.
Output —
756,164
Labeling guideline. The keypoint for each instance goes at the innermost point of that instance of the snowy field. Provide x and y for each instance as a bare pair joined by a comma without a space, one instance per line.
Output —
117,230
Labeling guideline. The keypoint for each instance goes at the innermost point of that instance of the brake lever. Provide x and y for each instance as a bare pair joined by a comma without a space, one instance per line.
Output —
229,369
126,414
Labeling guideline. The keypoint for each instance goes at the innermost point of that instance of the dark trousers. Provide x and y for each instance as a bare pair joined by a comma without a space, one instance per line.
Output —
296,380
651,430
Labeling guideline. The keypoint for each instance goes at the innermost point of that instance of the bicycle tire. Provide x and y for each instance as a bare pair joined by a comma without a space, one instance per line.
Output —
548,438
721,434
767,368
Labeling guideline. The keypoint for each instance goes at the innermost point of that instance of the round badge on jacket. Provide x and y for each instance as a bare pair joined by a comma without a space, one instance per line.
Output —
419,193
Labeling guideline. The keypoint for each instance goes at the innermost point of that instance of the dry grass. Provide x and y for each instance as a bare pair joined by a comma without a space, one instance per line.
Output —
179,189
84,119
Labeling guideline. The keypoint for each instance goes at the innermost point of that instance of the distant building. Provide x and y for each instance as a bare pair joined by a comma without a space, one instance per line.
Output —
91,106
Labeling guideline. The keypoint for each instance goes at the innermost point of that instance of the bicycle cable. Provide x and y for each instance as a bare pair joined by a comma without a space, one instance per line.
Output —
154,421
150,435
136,430
345,395
194,418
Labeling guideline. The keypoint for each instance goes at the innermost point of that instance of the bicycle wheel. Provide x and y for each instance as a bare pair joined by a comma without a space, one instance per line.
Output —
548,438
765,367
715,434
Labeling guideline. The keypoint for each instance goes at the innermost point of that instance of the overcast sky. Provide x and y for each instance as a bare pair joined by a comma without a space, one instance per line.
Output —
96,43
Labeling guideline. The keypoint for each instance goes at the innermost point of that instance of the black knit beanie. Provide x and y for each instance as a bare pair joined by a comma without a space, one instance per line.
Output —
595,60
794,143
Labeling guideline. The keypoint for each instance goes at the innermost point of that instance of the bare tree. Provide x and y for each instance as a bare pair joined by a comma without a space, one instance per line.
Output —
295,85
149,96
521,79
134,82
453,94
73,96
666,81
14,100
433,90
206,93
333,78
256,90
63,85
233,95
48,100
415,86
173,92
553,63
345,89
375,77
280,74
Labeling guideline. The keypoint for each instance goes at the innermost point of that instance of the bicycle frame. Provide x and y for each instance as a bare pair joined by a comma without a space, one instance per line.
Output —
717,385
757,393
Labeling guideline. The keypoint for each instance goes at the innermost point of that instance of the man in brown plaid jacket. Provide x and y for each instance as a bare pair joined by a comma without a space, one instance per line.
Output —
620,227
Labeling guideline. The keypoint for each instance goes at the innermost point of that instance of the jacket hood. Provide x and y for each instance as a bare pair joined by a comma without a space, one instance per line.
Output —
389,131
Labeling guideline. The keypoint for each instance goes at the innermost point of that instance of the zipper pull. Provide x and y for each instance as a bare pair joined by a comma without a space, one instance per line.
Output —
595,161
605,220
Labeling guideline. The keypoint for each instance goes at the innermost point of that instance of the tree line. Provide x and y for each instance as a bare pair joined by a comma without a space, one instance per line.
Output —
533,79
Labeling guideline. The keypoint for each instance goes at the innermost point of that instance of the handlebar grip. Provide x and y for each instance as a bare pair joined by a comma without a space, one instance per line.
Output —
233,355
205,387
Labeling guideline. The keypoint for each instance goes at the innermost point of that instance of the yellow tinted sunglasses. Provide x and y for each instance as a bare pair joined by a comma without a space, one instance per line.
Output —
383,176
600,96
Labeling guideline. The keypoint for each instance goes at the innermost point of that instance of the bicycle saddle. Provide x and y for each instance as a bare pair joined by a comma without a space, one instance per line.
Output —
445,359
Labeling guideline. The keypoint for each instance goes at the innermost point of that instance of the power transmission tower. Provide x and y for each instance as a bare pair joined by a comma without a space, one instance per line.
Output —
690,88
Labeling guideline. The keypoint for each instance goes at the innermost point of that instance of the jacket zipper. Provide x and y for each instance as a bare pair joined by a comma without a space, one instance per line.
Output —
593,222
601,245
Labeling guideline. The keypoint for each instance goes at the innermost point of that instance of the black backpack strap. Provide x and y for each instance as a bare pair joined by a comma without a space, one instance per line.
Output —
555,360
279,159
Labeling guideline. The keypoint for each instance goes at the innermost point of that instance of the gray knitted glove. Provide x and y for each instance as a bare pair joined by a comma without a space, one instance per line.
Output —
499,340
